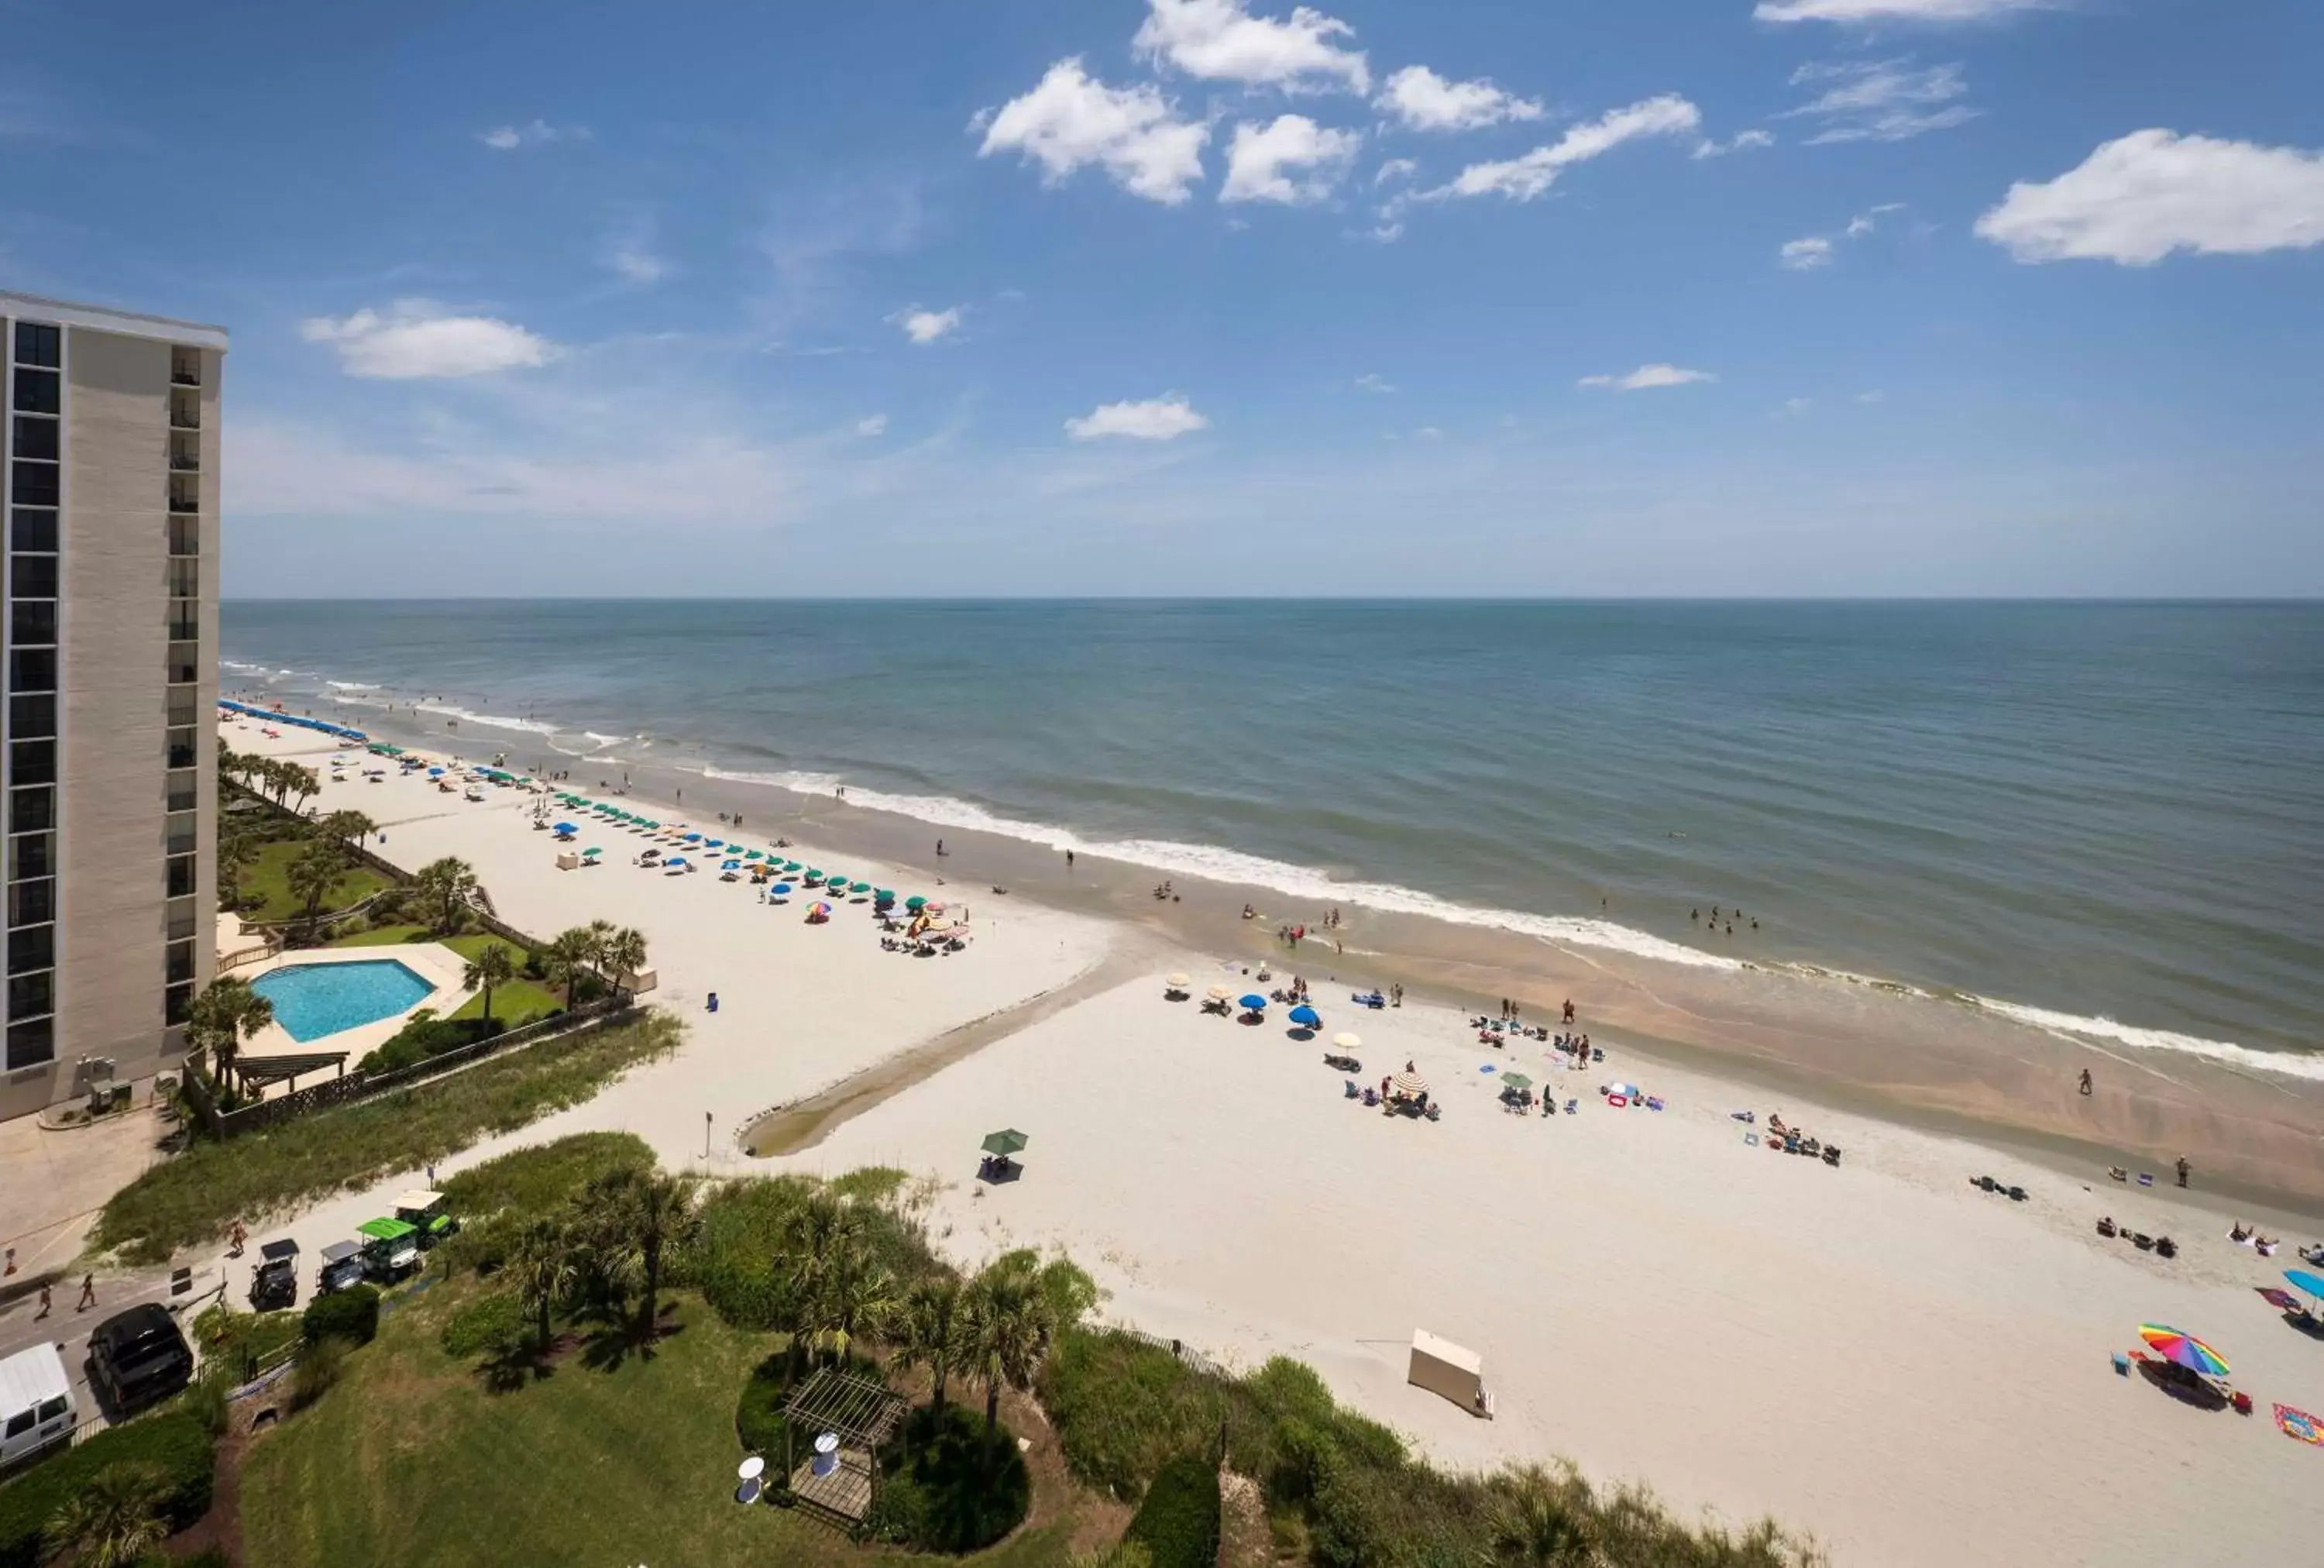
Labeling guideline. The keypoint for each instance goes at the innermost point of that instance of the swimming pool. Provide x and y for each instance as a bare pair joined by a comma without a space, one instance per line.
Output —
314,1000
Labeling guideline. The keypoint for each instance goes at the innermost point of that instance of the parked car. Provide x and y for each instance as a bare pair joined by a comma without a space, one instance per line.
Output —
137,1357
37,1412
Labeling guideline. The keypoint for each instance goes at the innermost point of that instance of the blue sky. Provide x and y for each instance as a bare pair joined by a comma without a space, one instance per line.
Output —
1565,297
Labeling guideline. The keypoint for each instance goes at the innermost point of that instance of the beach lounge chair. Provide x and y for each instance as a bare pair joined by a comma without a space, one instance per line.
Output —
2016,1194
1570,1105
2164,1247
1832,1154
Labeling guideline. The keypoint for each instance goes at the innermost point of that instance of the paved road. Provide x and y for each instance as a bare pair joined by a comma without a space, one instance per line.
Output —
22,1328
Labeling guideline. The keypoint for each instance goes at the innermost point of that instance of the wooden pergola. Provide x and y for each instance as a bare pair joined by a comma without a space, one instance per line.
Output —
863,1416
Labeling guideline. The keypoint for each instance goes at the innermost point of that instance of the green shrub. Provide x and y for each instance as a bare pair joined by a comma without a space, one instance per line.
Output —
174,1442
492,1325
1123,1408
1178,1522
425,1038
944,1487
758,1415
731,1259
350,1315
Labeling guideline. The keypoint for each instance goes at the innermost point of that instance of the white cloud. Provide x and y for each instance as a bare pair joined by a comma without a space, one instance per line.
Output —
2145,196
1875,396
1648,376
1793,408
927,327
1162,419
1880,100
537,134
1221,40
1072,120
1523,178
1373,384
1291,160
1429,433
1396,168
1742,141
872,425
1421,100
1802,255
1892,10
418,338
629,252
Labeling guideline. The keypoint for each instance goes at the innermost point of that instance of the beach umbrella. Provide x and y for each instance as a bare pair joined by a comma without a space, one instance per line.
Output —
859,887
713,843
1220,993
754,855
566,828
838,881
691,837
1347,1042
781,888
885,895
1307,1015
435,772
2312,1283
818,907
1253,1001
1409,1082
1005,1142
732,866
914,902
673,861
2185,1349
1517,1080
1177,982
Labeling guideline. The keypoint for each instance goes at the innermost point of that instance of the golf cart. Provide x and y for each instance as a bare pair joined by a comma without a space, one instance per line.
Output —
274,1283
343,1266
391,1248
423,1210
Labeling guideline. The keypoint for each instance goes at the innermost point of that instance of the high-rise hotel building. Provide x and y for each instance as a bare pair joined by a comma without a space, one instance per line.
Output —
108,754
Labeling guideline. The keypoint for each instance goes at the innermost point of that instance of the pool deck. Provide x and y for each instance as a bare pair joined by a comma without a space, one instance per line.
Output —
433,963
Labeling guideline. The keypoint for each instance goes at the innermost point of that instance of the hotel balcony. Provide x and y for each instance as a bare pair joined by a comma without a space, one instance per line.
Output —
185,413
185,371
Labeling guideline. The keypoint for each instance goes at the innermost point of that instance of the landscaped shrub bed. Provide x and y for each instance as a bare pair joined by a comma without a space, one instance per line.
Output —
175,1444
350,1315
946,1487
1178,1522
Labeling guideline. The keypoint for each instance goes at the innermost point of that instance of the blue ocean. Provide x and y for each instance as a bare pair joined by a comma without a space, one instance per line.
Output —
2101,818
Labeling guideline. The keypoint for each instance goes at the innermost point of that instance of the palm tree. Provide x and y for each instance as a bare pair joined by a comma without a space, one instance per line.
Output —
227,1013
236,852
543,1260
113,1520
352,827
601,937
625,954
1542,1520
639,1214
817,1238
313,874
929,1329
493,965
446,886
299,782
568,959
1009,1326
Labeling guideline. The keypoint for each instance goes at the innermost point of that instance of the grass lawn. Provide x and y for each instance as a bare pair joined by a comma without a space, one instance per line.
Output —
265,878
410,1462
520,1002
193,1197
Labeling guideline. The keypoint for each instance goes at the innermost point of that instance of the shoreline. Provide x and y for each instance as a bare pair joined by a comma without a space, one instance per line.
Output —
1901,1056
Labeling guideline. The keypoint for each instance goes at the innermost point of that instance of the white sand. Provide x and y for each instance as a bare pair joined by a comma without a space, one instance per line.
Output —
1914,1370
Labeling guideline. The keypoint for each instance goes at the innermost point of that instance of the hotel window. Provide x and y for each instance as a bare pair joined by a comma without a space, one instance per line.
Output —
35,484
33,528
32,670
32,620
35,437
180,920
32,576
181,795
177,963
37,391
178,876
184,577
29,994
179,839
38,343
185,537
178,748
177,1003
32,855
32,808
184,623
33,717
32,763
32,947
183,663
33,903
32,1042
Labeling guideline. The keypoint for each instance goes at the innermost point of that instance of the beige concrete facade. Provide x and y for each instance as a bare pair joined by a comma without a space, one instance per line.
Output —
136,610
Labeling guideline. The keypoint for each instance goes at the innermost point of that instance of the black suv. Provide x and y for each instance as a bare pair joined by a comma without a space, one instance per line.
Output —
138,1356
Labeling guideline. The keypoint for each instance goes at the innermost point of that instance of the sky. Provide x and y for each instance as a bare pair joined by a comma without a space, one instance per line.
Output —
1089,297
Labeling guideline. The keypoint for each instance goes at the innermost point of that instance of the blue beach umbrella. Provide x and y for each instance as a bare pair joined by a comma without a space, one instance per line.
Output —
781,888
1253,1002
566,828
732,866
2312,1284
673,861
691,837
713,843
1307,1015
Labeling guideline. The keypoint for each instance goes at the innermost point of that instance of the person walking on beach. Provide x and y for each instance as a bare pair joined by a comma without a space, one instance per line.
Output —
44,1305
1069,860
2183,1168
2085,1088
1569,1010
236,1239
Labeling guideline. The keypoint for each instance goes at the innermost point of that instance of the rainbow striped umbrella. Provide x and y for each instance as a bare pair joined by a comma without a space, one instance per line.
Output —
2173,1346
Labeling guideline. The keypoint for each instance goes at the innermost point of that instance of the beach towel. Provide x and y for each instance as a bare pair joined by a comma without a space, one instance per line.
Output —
2282,1300
2300,1424
2145,1179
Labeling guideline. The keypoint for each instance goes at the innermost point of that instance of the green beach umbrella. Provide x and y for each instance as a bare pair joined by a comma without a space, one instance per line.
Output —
592,851
1517,1081
914,902
753,855
790,865
1004,1143
859,887
813,874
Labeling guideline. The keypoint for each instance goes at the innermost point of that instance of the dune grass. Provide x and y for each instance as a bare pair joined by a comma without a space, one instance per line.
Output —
195,1196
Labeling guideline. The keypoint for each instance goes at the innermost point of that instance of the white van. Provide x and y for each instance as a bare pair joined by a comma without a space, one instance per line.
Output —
36,1404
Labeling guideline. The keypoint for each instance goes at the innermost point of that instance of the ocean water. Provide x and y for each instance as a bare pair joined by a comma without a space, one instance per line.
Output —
2106,820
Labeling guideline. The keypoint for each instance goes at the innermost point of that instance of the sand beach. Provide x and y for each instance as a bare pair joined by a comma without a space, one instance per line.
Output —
1912,1369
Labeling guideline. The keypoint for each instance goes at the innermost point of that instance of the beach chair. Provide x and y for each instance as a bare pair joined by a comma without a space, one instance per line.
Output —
1570,1107
1353,1093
